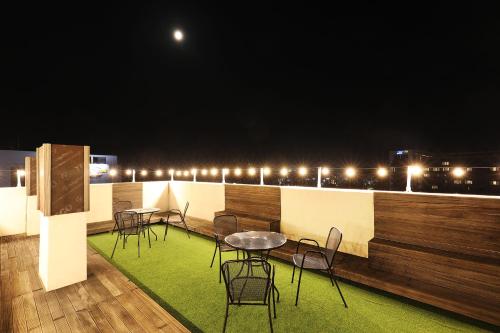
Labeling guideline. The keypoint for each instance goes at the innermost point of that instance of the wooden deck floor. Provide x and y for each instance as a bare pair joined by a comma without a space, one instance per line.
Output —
106,302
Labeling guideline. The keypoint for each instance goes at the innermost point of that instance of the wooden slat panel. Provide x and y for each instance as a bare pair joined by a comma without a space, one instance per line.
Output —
128,192
469,225
30,175
258,201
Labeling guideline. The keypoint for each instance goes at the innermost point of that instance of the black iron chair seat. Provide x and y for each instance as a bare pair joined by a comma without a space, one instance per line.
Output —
177,218
226,248
248,289
311,262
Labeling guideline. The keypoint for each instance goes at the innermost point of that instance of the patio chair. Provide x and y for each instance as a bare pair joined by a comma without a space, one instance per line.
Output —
249,282
179,219
319,259
128,224
224,225
120,206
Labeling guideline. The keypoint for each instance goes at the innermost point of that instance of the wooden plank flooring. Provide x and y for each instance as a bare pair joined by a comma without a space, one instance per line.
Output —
106,302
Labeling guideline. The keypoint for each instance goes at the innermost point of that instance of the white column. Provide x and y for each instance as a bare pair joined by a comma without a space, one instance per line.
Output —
194,175
133,176
408,179
63,250
261,176
319,176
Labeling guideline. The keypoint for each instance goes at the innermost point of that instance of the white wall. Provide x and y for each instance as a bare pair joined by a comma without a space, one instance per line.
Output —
101,203
33,216
311,212
155,195
12,210
204,198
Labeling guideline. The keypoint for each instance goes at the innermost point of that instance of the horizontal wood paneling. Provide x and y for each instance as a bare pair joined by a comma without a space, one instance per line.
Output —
258,201
467,225
128,192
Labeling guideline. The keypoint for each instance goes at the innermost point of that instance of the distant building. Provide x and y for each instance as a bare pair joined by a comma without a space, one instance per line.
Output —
13,160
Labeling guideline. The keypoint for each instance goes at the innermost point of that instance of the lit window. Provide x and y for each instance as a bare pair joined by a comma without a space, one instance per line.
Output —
446,163
468,182
494,169
469,169
434,187
435,169
494,182
446,169
457,181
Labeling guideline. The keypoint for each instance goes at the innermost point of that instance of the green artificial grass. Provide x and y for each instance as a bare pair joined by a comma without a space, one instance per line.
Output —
177,275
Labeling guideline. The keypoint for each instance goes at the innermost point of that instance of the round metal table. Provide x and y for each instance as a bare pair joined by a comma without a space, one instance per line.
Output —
257,241
143,211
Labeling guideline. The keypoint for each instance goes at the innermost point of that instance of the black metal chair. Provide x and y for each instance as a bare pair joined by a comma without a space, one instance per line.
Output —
249,282
120,206
319,259
224,225
128,224
179,219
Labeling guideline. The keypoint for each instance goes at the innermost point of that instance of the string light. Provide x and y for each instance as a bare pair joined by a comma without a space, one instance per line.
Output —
325,171
225,171
158,173
252,171
350,172
458,172
178,173
382,172
186,173
415,170
284,172
193,171
112,172
144,172
128,172
302,171
171,172
204,172
214,171
237,172
267,171
21,173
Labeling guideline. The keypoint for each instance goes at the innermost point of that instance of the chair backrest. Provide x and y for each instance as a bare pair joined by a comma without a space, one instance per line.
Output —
225,225
332,244
247,281
119,206
127,222
185,209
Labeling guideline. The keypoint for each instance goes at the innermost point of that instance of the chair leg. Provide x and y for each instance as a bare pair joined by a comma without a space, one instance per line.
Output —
338,288
298,288
227,314
269,314
139,245
166,230
213,258
149,238
112,254
274,303
220,266
185,226
293,274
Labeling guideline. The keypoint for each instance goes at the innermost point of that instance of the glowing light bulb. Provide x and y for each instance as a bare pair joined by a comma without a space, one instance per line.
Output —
204,172
158,173
225,171
458,172
252,171
267,171
185,173
178,173
284,172
214,171
178,35
171,172
382,172
325,171
350,172
144,172
302,171
112,172
415,170
237,172
128,172
194,171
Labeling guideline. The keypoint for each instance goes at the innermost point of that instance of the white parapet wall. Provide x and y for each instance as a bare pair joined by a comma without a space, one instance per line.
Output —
204,198
12,210
33,216
311,212
101,203
155,195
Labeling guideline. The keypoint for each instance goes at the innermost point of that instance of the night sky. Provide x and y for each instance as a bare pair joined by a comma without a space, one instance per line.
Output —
253,82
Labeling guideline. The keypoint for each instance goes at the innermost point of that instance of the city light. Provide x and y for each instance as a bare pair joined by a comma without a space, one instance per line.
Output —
415,170
204,172
171,172
185,173
214,172
112,172
302,171
458,172
158,173
267,171
252,171
350,172
237,172
382,172
284,172
178,35
128,172
144,172
325,171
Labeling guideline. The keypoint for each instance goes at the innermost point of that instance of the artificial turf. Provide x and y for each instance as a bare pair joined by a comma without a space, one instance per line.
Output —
177,275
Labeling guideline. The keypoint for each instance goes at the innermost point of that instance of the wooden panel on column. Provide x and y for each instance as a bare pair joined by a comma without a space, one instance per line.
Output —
30,175
63,179
128,192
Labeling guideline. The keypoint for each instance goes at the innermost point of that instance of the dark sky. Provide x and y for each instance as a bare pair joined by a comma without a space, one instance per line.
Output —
251,82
